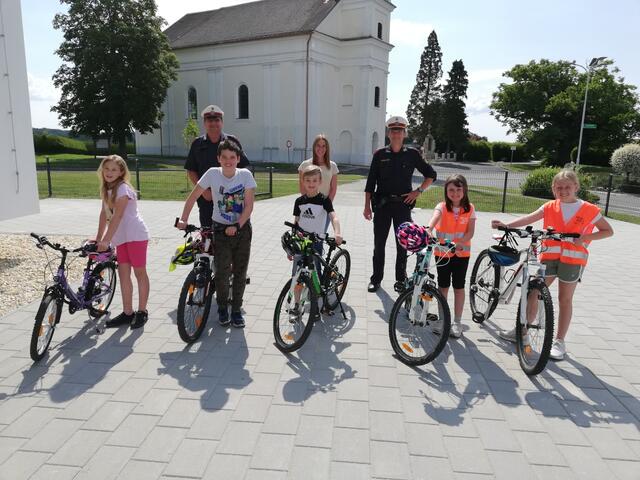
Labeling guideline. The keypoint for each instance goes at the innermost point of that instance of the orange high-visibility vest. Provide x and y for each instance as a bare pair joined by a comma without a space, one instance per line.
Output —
582,222
453,229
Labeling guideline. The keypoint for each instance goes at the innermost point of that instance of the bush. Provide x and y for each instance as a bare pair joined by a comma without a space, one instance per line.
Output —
501,152
591,156
630,187
56,144
626,160
477,152
538,184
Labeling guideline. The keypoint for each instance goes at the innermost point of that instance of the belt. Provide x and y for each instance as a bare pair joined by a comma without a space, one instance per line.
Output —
220,227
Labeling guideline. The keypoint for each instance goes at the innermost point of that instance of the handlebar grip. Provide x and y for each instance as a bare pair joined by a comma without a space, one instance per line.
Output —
570,235
175,224
37,237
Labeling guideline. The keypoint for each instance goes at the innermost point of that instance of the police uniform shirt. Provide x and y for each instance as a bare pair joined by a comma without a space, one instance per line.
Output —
312,213
203,154
392,171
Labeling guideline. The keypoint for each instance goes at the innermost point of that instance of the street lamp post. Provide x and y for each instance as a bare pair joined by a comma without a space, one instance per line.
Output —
594,63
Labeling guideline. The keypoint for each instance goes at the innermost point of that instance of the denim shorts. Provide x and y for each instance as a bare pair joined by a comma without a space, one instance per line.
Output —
565,272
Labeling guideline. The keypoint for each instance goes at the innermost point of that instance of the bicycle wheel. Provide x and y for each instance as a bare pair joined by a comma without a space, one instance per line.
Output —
534,345
194,304
336,278
484,286
418,341
293,320
104,286
46,320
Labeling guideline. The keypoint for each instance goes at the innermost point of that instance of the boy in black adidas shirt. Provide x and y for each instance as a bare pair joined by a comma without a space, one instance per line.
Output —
313,210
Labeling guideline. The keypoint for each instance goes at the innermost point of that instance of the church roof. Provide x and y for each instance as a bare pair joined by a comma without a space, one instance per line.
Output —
248,21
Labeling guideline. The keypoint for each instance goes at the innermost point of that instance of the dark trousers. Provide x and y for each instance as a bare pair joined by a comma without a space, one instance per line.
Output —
397,212
231,255
205,208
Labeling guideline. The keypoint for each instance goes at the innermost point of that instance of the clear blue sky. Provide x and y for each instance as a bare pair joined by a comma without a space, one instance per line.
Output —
489,36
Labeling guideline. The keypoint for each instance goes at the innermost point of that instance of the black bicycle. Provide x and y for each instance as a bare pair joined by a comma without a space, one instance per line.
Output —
94,294
297,306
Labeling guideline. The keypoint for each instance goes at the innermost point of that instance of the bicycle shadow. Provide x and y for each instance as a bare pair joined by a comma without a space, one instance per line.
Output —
214,366
85,362
448,398
317,363
587,399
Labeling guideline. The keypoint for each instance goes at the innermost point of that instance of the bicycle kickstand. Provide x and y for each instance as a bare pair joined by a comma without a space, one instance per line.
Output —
344,315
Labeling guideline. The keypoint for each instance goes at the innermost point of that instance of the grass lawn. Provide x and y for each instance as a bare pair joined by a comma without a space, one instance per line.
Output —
159,185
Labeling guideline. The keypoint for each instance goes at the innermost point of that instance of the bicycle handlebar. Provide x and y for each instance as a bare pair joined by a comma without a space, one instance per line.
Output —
188,229
314,236
530,232
84,249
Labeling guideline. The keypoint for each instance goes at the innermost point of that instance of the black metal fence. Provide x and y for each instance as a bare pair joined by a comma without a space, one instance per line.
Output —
152,183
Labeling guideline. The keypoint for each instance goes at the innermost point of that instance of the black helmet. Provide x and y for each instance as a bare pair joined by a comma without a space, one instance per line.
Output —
503,255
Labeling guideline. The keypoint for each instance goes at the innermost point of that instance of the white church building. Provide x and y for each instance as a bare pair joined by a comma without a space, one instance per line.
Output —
283,71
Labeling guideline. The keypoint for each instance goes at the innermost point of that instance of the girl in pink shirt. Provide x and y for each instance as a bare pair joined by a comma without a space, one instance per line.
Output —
120,224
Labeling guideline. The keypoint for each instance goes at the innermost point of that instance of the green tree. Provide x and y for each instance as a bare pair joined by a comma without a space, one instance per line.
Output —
543,106
190,132
117,67
426,89
453,116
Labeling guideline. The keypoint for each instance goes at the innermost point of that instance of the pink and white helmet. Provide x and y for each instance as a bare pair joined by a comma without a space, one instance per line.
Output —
411,236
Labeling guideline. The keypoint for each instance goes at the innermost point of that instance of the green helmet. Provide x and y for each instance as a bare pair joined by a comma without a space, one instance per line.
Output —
184,255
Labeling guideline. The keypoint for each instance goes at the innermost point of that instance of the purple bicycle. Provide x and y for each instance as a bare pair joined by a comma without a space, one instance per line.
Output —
94,294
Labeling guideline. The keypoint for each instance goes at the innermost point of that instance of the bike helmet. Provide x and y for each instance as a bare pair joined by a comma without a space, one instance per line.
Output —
184,255
411,236
503,255
293,244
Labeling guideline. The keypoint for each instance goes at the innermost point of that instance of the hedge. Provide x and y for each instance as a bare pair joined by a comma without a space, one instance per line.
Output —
538,184
501,152
57,144
591,156
477,151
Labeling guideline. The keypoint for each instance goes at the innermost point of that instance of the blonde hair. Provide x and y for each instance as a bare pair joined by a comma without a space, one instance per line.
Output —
311,171
566,174
125,177
327,154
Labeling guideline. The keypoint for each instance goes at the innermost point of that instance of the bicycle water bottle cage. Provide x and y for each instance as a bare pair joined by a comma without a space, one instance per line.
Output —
503,255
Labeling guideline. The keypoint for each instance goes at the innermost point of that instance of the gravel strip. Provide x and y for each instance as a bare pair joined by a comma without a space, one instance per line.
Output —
22,268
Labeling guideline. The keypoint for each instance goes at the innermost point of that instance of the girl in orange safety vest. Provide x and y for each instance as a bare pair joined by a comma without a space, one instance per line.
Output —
454,220
564,259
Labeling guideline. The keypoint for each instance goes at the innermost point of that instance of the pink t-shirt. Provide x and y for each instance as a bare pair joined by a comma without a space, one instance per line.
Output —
131,228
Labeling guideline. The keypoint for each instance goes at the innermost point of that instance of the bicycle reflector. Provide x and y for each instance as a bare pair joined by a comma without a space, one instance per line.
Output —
183,256
411,236
503,255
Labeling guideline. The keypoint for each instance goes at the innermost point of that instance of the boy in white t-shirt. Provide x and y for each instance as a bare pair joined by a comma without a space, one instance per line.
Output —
233,192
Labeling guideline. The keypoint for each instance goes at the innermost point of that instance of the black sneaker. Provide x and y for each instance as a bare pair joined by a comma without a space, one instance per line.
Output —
122,319
373,287
223,316
237,320
140,318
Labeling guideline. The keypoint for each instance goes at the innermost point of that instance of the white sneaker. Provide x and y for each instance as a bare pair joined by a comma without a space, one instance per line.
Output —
509,335
456,330
558,350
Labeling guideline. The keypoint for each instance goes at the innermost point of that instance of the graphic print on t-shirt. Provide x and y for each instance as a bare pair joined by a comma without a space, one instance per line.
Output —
232,202
312,213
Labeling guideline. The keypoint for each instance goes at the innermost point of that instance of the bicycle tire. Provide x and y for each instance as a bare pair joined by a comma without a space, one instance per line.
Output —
192,322
98,273
340,284
480,312
296,330
44,326
531,362
399,322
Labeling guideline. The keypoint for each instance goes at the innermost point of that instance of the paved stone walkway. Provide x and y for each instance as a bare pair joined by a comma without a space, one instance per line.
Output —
138,405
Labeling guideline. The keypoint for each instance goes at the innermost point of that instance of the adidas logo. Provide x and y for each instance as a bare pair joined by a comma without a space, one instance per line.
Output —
308,213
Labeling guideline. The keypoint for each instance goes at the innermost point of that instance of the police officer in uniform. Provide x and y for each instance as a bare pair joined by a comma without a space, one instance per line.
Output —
203,155
389,196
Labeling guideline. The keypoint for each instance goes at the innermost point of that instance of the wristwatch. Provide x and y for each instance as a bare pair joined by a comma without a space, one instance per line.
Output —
421,190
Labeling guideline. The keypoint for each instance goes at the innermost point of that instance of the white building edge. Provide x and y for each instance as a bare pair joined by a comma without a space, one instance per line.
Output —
18,181
283,71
